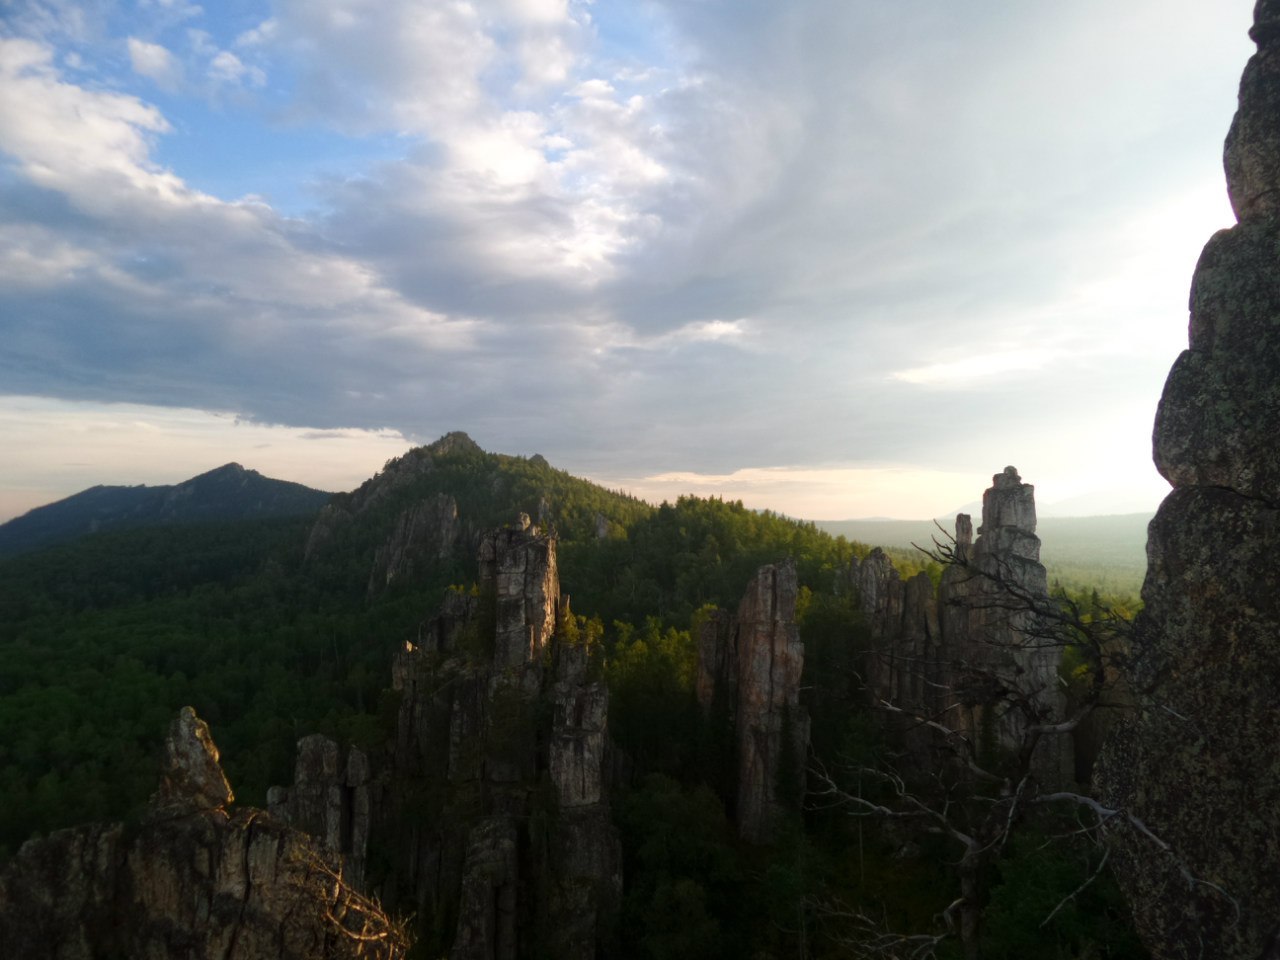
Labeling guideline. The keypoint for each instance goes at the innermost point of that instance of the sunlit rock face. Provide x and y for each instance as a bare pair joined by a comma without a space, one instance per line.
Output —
192,779
192,881
749,668
1198,763
492,804
519,565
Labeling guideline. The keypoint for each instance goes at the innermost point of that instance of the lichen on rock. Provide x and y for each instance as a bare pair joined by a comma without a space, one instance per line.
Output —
1196,764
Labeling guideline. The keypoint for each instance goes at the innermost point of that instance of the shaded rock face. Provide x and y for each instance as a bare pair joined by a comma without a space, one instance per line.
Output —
1002,631
192,882
492,804
959,651
579,734
426,532
753,662
1198,760
879,590
331,799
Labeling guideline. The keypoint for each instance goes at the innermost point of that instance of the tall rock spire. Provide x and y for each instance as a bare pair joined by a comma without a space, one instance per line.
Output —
750,664
1197,763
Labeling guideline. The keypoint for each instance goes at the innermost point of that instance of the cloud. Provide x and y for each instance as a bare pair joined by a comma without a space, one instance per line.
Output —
154,62
226,67
976,367
717,237
165,293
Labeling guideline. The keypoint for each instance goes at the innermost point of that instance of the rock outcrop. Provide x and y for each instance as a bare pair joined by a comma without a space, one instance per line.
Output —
426,532
1197,763
331,799
519,567
493,812
749,668
1005,639
427,527
194,881
192,779
970,652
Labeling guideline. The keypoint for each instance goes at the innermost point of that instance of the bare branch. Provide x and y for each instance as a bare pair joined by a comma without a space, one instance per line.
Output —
1106,853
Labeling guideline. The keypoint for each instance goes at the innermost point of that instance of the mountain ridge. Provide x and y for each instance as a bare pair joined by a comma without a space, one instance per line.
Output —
226,493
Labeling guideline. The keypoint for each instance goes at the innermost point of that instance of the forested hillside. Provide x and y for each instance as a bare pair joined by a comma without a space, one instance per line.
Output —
223,495
274,629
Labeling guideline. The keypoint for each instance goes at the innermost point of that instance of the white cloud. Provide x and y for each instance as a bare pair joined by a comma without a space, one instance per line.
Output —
266,32
156,63
226,67
977,366
86,143
731,235
183,289
36,257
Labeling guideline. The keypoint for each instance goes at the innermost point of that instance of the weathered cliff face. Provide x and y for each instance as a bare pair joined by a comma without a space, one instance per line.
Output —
492,803
903,622
519,567
967,651
426,532
331,799
194,881
753,661
1198,762
1004,636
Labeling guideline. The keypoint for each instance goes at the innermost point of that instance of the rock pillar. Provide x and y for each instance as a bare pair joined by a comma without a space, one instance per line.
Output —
751,663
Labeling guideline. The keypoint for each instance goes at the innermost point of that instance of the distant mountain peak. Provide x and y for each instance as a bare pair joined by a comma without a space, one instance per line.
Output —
454,442
228,492
232,469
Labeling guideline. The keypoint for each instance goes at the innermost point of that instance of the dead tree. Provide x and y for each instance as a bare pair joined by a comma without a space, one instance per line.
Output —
943,781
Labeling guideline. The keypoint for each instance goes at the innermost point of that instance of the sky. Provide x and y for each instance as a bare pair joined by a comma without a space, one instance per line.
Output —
838,258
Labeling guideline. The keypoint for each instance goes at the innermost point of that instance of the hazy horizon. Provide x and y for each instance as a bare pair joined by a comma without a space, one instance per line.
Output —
1079,506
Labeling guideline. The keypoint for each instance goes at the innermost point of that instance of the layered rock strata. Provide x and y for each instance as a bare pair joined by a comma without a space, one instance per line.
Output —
194,881
1197,763
749,668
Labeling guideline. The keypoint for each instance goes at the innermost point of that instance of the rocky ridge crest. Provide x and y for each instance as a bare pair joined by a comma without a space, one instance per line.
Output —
194,881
